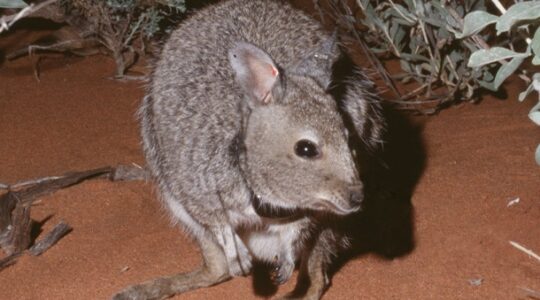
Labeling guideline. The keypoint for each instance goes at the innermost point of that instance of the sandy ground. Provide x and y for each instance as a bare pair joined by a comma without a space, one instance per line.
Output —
460,168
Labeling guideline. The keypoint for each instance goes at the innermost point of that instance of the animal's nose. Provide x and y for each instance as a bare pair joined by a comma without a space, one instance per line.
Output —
356,195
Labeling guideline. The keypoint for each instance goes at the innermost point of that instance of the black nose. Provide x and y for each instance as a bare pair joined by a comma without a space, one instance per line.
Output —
356,195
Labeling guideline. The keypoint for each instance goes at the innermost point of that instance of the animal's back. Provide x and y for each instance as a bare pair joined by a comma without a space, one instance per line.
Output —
218,70
192,113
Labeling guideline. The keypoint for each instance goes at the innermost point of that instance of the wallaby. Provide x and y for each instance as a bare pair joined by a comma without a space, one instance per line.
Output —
248,145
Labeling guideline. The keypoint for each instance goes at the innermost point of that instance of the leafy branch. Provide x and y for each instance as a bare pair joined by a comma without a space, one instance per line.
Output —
517,20
446,49
122,28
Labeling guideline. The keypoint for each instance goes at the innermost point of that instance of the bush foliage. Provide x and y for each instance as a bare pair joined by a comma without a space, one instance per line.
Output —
449,49
121,27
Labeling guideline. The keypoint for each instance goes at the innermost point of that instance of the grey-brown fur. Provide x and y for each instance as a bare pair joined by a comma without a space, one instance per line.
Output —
237,86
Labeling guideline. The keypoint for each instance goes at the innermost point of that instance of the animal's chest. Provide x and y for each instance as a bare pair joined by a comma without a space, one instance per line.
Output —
275,239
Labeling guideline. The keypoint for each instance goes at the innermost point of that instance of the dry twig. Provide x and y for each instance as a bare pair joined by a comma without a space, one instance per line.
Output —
15,205
527,251
50,239
8,21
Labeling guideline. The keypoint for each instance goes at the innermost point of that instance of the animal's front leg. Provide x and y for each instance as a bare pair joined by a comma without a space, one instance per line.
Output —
238,256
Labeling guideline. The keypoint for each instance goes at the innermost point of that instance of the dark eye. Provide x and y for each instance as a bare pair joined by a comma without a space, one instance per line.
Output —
306,149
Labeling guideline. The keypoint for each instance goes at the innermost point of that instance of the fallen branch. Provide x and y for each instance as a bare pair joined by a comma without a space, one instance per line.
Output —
9,260
50,239
45,185
15,205
128,173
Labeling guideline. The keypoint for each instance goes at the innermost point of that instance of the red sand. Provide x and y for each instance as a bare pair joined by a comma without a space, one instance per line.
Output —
477,159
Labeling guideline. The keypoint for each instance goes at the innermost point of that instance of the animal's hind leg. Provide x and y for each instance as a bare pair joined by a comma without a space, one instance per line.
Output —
213,271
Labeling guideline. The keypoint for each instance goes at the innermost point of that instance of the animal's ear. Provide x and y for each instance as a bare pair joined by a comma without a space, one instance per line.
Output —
368,123
255,71
318,63
363,107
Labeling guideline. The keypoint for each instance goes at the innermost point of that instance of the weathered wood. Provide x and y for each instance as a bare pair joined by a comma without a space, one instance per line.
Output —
19,233
15,232
9,260
128,173
15,205
59,231
7,204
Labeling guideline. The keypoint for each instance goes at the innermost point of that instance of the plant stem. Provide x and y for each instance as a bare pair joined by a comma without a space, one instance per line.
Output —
499,6
502,9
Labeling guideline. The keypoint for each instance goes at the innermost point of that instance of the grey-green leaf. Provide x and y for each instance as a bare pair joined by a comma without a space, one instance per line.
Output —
537,155
507,70
534,114
404,14
13,4
487,85
483,57
487,76
521,11
474,22
414,57
536,82
526,92
535,44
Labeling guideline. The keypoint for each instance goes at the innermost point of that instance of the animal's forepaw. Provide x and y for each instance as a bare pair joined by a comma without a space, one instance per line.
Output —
281,271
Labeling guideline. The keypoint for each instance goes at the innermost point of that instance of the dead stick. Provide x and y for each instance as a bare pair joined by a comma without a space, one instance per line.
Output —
128,173
15,207
59,231
9,260
46,184
42,188
527,251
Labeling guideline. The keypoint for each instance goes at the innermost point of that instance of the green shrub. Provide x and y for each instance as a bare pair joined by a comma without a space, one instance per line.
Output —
444,46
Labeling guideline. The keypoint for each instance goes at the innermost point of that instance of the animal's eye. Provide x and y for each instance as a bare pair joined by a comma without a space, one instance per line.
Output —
306,149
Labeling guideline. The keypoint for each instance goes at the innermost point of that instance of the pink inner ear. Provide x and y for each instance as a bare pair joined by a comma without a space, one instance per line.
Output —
264,76
261,72
255,71
274,71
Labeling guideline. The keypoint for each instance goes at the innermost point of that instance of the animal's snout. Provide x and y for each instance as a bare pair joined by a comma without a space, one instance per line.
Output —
342,201
356,196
